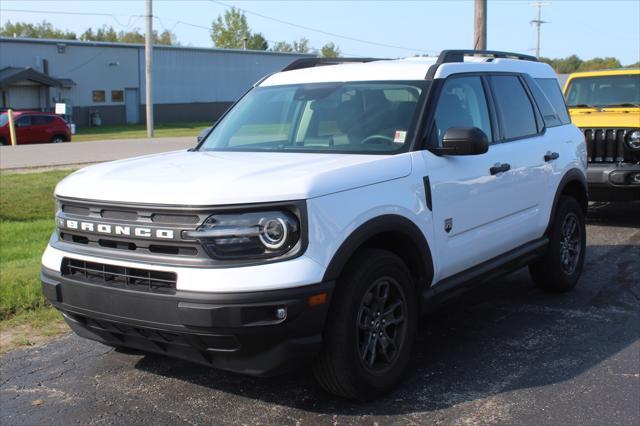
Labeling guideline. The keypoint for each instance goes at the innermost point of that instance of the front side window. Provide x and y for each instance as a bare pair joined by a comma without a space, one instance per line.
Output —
516,114
23,121
357,117
462,103
604,91
4,119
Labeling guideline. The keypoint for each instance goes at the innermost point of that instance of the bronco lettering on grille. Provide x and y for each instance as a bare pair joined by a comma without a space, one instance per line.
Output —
107,229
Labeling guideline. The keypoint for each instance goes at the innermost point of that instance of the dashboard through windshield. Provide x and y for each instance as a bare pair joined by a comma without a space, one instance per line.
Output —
357,117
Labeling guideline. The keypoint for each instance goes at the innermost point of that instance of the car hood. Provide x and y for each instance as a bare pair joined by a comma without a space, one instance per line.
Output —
217,178
605,117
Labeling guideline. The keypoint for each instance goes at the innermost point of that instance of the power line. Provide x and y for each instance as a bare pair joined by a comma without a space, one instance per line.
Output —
57,12
138,17
374,43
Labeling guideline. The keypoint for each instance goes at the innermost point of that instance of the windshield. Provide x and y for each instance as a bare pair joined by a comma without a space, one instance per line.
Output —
612,90
360,117
4,119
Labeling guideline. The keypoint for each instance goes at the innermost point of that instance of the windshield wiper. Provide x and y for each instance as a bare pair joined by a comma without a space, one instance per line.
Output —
625,104
581,106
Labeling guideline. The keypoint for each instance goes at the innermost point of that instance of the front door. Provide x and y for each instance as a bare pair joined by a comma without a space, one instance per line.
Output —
132,106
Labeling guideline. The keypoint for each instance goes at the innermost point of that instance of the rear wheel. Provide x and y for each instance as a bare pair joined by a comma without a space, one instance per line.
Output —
370,329
57,139
559,270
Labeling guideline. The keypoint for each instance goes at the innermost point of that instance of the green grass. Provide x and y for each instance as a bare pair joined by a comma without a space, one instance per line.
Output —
26,222
131,131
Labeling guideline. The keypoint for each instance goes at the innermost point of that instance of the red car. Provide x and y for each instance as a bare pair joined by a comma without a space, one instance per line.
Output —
34,127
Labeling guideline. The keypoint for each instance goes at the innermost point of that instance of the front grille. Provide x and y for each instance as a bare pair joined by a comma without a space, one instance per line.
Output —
175,250
120,276
609,146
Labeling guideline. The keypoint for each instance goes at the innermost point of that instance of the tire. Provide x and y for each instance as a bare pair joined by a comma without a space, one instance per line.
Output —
345,366
57,139
560,268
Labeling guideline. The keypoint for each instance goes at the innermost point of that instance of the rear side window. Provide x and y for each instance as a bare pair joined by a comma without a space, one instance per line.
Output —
42,120
516,114
551,89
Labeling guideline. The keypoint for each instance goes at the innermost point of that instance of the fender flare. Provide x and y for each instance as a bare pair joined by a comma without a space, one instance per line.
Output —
572,175
377,226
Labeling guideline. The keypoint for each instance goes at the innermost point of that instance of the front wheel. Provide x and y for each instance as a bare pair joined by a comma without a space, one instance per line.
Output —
370,329
559,270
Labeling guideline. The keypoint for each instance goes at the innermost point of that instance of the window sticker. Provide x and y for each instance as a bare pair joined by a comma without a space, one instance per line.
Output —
400,136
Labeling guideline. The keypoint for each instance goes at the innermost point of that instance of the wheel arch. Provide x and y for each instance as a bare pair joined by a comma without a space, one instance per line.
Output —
574,184
390,232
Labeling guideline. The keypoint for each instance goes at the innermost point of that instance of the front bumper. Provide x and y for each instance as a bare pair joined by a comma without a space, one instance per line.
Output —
613,182
239,332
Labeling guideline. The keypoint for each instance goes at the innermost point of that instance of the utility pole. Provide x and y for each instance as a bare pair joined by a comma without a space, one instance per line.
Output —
480,26
538,23
148,55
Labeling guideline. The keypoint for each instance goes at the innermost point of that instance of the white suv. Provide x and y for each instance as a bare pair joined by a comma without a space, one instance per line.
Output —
328,209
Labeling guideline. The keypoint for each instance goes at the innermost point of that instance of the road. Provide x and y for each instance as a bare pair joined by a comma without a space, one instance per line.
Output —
82,153
508,354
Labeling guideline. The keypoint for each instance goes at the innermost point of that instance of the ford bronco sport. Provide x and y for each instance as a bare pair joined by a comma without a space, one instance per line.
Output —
331,206
605,105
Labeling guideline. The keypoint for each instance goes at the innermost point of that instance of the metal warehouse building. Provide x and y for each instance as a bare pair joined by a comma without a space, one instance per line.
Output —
106,80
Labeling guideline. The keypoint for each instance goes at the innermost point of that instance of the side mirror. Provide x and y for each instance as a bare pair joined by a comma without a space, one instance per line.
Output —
463,141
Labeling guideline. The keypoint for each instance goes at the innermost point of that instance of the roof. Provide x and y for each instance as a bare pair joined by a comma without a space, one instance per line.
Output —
11,75
82,43
409,69
619,71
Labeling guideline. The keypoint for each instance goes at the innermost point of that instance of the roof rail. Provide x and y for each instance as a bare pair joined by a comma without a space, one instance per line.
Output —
453,56
301,63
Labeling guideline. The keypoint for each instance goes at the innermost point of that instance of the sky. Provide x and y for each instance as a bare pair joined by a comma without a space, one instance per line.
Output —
388,29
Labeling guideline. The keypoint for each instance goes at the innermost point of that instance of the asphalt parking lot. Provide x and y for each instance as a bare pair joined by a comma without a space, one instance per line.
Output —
507,354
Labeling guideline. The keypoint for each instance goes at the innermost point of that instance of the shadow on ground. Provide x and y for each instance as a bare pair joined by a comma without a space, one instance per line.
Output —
507,336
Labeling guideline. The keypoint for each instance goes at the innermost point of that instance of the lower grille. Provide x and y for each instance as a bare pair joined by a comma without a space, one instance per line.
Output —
120,276
609,146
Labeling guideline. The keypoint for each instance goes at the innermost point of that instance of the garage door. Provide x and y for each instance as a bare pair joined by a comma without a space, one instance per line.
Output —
24,97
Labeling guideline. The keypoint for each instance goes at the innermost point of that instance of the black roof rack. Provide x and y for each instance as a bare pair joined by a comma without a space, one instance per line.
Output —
453,56
299,64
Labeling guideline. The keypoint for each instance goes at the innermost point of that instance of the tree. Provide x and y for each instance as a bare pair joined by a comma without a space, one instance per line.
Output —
109,34
330,50
600,63
42,30
231,30
300,46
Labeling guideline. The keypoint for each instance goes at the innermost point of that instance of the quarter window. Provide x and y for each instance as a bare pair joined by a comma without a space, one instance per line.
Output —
551,89
462,103
514,108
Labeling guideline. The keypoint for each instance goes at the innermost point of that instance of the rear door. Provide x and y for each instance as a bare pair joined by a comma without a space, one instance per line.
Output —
42,128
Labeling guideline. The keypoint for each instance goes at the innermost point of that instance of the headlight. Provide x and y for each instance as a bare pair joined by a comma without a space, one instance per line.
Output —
634,140
252,235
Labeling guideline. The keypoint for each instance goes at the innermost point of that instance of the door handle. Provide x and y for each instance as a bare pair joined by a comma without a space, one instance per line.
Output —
499,168
550,156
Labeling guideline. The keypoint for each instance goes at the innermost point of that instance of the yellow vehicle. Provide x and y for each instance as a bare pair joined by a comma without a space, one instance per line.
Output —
605,105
